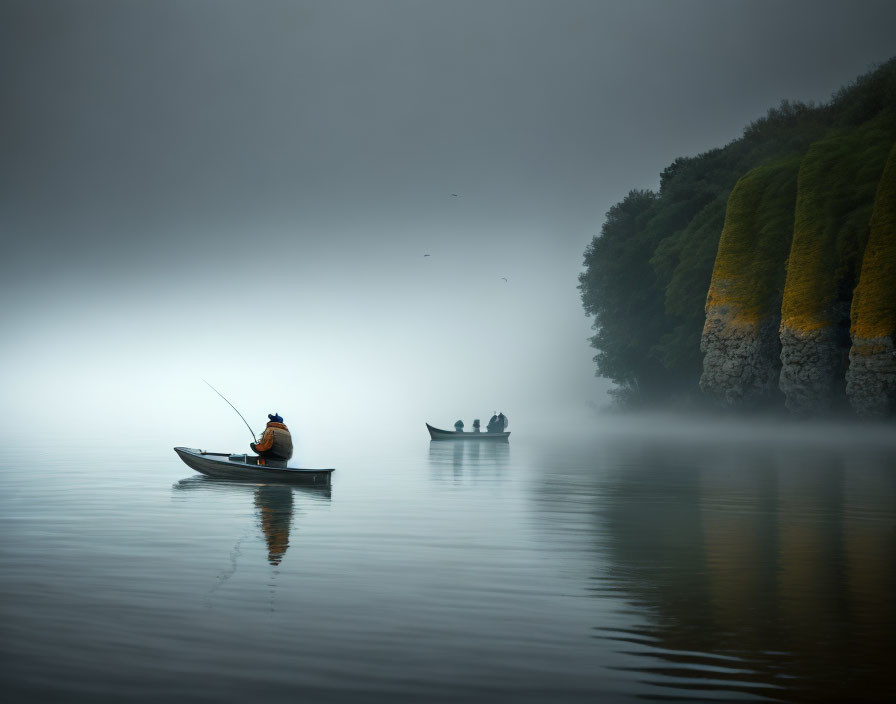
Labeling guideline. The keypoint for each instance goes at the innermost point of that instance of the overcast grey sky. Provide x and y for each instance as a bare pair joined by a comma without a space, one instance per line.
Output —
245,190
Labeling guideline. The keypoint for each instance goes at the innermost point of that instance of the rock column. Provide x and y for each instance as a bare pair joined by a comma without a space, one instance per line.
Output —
871,377
837,182
741,351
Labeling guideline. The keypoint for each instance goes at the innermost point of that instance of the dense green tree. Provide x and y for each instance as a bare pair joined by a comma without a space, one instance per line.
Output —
618,286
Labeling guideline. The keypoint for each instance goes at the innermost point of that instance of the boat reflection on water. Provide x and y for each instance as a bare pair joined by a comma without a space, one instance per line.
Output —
468,459
275,506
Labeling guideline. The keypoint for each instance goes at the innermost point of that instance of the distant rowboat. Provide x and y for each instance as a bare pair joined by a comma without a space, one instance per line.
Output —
438,434
228,466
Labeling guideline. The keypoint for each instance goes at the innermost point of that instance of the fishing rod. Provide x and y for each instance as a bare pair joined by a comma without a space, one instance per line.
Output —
254,439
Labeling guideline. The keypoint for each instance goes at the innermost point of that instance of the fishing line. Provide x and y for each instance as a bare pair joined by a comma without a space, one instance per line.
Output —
254,439
226,574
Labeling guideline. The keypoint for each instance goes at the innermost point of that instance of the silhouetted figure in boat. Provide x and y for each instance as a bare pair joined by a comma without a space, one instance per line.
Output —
497,423
476,425
459,427
276,442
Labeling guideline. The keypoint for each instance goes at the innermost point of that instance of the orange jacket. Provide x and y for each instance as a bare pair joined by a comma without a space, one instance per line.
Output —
276,439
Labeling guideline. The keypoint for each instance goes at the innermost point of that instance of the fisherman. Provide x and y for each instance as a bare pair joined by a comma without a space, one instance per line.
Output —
502,422
492,426
459,427
476,425
276,442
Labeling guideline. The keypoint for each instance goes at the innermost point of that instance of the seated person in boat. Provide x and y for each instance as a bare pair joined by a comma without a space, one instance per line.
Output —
476,425
497,423
459,427
276,442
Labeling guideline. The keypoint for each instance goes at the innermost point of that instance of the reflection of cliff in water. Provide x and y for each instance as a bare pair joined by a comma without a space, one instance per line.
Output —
769,573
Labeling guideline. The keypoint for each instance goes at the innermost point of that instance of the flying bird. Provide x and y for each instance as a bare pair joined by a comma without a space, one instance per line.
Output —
454,195
505,279
425,255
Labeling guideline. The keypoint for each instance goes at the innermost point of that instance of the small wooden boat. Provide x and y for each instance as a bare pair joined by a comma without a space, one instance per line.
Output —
439,434
229,466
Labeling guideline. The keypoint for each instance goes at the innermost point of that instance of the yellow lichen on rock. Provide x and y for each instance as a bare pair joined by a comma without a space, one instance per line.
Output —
871,377
741,353
749,266
873,311
837,181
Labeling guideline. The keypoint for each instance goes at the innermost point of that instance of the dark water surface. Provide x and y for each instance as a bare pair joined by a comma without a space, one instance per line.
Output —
618,567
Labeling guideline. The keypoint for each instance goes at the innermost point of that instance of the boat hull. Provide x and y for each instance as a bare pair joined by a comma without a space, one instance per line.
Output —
219,465
439,434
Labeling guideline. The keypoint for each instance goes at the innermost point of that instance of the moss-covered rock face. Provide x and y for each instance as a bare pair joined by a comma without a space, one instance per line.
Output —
740,345
747,274
871,378
836,188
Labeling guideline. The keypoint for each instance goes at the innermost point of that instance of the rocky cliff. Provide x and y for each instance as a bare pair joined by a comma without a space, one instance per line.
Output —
871,376
836,187
741,362
764,272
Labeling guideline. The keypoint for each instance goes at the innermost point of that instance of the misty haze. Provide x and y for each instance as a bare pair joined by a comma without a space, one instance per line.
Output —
565,335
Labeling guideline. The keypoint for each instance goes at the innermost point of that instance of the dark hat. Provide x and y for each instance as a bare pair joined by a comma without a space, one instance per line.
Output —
275,417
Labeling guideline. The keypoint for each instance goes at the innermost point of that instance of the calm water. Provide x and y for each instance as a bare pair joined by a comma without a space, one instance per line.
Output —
618,567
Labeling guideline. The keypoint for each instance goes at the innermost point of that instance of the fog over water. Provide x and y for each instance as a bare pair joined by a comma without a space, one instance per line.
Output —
246,192
365,215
